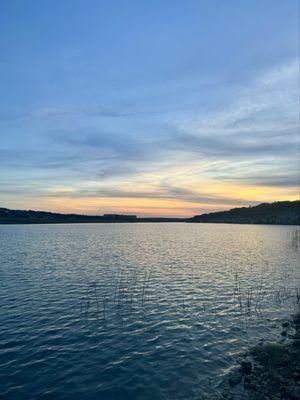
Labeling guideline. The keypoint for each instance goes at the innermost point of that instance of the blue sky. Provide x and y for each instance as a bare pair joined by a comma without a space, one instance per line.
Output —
155,108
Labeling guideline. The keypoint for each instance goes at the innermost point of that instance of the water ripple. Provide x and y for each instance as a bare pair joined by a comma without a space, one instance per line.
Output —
148,311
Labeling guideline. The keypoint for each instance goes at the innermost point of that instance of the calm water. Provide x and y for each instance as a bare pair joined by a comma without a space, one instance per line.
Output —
137,311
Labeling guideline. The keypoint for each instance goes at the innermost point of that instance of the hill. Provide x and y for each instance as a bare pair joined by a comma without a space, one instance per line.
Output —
281,213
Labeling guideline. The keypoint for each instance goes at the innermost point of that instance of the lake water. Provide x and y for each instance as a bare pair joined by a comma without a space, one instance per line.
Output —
137,311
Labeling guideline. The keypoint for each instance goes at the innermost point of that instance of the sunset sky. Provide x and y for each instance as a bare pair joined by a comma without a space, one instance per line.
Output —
159,107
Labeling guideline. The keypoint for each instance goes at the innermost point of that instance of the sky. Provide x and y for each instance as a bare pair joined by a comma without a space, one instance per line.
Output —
154,108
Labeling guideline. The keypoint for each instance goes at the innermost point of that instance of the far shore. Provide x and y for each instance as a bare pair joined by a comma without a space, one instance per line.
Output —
278,213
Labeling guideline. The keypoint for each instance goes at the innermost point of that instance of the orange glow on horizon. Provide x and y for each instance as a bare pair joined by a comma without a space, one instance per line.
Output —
219,197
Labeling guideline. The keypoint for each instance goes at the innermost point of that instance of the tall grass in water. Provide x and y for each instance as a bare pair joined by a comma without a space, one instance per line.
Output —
132,290
296,238
252,300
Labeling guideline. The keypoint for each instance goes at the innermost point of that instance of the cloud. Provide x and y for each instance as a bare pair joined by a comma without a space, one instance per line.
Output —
250,139
160,192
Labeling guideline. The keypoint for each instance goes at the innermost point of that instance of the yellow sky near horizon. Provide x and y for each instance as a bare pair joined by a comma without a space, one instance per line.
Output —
212,197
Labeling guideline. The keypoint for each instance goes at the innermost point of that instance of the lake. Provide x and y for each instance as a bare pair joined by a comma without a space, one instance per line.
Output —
138,311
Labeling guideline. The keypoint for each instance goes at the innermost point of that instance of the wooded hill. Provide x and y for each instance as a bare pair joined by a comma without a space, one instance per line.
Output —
281,212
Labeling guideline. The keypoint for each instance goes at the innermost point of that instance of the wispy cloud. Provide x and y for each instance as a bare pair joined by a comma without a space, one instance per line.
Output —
250,140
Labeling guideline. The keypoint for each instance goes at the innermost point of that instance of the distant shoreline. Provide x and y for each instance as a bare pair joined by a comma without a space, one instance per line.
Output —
278,213
90,222
144,222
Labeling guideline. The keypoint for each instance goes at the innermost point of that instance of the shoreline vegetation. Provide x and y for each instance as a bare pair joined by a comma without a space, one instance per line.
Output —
270,370
278,213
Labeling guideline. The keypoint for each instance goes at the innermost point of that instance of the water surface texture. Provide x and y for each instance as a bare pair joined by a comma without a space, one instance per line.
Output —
137,311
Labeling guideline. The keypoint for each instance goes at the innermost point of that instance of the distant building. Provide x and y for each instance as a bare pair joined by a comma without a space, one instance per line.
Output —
120,217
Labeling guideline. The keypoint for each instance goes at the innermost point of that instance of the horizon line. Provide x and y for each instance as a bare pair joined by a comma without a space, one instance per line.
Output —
153,216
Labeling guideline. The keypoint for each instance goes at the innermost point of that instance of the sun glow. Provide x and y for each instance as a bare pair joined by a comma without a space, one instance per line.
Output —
210,197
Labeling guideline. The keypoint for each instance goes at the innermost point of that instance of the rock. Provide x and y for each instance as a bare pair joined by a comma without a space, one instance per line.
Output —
293,392
235,378
296,343
285,372
246,367
276,397
247,384
297,376
296,320
258,396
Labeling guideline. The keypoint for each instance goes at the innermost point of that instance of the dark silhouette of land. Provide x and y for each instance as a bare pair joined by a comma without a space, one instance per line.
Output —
8,216
281,213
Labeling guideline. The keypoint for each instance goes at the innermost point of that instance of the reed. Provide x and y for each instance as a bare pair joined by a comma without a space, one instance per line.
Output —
130,291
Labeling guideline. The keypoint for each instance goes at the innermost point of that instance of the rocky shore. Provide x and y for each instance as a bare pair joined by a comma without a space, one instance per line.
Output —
270,371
